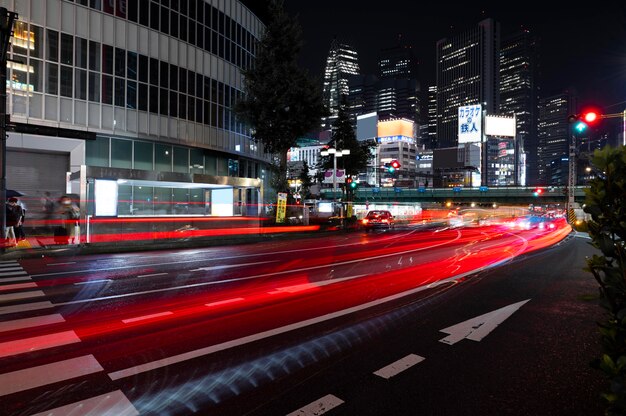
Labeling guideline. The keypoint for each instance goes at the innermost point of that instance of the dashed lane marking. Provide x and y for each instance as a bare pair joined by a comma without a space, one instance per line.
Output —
108,404
223,302
141,318
399,366
318,407
42,375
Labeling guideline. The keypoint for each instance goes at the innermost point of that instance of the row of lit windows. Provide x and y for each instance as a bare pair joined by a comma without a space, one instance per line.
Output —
88,70
196,22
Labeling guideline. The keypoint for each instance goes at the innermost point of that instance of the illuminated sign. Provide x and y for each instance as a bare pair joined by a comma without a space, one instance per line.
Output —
470,123
393,139
500,126
396,128
105,198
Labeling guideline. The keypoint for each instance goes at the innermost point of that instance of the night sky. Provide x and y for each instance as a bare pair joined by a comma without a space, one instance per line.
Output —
580,47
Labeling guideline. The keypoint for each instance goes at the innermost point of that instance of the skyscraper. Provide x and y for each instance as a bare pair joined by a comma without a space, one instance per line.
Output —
519,90
554,136
431,141
399,88
467,73
342,62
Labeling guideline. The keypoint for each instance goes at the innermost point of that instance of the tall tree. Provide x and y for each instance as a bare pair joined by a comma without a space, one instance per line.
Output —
282,102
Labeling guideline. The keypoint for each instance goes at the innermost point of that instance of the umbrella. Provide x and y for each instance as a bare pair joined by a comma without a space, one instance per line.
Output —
11,193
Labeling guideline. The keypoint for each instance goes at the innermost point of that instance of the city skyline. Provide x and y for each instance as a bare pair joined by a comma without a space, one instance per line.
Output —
580,49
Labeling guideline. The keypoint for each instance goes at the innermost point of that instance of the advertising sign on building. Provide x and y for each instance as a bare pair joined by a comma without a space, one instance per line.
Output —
470,119
500,126
341,176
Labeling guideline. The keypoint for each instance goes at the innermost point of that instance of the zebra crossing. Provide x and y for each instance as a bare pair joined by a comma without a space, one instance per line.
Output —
16,285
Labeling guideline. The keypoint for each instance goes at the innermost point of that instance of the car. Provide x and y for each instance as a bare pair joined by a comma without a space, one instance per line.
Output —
378,219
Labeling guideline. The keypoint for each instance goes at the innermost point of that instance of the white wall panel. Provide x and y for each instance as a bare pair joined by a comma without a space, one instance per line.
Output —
82,22
131,38
95,26
120,33
108,29
53,14
67,17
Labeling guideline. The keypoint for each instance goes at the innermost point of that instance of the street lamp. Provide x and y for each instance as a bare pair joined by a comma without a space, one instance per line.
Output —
336,153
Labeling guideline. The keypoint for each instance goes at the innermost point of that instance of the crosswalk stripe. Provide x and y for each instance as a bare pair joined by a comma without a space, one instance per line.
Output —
16,279
42,342
31,322
42,375
108,404
33,306
15,286
13,273
21,295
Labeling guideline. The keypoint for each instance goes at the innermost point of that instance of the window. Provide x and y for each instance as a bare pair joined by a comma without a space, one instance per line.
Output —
154,99
94,87
164,76
144,12
181,159
37,46
94,56
107,89
81,53
143,97
154,16
67,49
182,77
165,20
80,91
52,72
163,158
131,94
131,65
143,68
163,101
107,59
154,71
174,23
120,62
173,77
36,77
173,102
120,92
66,81
52,42
121,153
97,152
143,155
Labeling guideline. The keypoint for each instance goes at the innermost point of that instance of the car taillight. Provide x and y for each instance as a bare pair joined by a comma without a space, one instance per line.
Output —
365,220
385,220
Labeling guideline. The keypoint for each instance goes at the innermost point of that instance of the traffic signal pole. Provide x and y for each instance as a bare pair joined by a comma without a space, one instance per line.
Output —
571,181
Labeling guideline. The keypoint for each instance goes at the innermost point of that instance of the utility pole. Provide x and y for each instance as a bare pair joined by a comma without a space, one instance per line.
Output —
7,19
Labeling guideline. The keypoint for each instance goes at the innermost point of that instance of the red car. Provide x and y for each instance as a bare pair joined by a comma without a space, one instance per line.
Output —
378,219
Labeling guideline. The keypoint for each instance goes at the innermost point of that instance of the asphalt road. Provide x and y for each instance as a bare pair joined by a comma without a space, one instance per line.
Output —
269,328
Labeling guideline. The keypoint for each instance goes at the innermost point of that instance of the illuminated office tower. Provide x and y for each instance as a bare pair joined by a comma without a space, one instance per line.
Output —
554,136
431,140
519,68
467,73
342,62
398,86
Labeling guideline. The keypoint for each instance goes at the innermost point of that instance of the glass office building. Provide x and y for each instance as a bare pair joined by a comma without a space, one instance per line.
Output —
140,92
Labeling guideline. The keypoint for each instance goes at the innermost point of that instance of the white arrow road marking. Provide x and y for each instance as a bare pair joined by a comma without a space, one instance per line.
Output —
318,407
109,404
479,327
399,366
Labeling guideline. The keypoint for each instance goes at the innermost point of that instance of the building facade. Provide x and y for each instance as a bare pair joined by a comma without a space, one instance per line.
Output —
342,62
554,136
519,94
467,73
137,92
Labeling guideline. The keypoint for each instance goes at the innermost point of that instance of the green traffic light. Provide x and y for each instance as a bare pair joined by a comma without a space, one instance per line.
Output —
580,127
353,185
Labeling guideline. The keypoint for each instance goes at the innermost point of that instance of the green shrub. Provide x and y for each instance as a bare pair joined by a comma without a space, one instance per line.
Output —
606,203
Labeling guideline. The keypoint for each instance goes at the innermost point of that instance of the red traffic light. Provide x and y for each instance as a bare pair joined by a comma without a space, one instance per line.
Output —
538,191
395,164
590,116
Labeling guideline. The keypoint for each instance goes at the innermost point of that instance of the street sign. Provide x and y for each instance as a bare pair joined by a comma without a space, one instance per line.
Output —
483,189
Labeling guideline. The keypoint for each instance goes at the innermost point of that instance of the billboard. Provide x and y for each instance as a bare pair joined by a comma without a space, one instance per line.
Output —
400,127
470,124
500,126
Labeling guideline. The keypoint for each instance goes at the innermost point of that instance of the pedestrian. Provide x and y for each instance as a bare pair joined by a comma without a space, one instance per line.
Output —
70,214
19,228
13,214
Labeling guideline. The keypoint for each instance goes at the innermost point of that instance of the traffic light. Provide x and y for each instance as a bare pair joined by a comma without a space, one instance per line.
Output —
583,120
353,184
393,166
538,191
349,182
